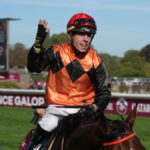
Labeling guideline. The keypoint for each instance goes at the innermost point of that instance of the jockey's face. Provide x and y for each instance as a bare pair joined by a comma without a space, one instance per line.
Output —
81,40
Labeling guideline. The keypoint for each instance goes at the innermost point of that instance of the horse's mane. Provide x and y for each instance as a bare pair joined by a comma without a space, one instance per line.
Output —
69,123
76,121
109,129
80,131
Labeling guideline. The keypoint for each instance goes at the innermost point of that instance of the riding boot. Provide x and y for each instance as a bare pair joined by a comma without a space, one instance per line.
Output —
38,135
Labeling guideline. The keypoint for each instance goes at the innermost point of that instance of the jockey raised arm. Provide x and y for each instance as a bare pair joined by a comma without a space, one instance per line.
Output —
76,74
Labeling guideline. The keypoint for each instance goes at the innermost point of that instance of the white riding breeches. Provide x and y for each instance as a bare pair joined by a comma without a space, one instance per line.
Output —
52,116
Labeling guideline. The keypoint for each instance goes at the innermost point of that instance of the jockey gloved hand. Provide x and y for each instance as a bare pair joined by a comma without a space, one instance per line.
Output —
41,35
89,111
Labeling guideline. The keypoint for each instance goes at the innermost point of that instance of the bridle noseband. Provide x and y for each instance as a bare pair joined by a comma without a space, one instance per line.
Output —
120,140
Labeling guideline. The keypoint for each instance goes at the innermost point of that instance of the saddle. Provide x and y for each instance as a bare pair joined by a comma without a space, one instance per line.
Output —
55,142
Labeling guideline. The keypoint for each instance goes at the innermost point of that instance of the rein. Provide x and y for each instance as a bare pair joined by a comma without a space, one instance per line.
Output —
120,140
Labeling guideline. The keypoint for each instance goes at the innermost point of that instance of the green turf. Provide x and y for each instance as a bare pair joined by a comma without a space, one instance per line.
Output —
15,123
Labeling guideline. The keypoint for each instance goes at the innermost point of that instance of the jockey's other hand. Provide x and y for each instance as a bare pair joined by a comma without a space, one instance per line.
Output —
89,111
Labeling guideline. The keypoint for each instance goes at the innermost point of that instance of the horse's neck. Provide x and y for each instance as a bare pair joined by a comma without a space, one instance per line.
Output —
85,134
83,137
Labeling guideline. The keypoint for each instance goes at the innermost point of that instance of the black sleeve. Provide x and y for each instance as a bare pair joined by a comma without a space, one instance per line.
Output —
36,62
102,92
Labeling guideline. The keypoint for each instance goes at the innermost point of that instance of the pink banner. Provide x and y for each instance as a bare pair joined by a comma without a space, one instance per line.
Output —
122,105
21,100
119,103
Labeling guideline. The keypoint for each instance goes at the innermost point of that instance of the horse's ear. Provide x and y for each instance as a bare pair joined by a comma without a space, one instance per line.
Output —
131,117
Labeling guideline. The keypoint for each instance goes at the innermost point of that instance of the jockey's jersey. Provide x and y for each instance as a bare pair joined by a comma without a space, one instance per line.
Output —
70,76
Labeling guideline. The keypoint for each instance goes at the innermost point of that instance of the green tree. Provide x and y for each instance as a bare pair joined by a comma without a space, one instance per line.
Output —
18,56
131,65
145,52
56,39
111,63
147,69
134,63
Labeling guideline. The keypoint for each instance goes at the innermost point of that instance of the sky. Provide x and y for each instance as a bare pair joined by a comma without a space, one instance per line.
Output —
122,25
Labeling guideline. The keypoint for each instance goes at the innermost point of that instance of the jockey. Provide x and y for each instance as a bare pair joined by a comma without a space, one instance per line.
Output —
76,74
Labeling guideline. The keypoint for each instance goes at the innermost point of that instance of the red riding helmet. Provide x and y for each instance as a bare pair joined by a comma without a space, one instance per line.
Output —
82,22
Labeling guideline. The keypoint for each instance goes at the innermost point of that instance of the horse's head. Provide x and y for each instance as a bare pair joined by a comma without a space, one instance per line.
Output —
119,134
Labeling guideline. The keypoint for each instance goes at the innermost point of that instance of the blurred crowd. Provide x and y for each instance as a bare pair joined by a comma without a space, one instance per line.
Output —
39,85
130,85
122,85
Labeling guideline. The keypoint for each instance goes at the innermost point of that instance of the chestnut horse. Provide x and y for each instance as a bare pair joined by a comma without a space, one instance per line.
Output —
94,133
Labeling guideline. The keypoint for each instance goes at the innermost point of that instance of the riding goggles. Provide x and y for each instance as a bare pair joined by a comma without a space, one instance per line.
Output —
85,30
84,21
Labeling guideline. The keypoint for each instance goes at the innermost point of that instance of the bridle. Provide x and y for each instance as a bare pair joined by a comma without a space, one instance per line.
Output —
120,140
